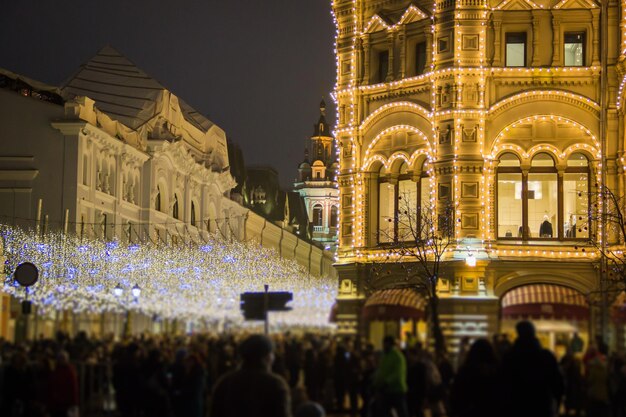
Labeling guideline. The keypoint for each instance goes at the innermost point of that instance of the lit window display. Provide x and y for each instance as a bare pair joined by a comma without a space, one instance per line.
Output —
386,208
574,49
403,196
528,207
576,197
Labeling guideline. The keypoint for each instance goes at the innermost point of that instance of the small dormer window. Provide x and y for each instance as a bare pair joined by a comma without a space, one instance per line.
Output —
321,128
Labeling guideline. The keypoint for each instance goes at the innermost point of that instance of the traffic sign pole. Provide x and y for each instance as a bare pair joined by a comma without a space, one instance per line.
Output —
265,308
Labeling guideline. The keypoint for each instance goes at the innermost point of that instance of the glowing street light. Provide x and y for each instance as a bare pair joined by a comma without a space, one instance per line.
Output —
136,291
118,290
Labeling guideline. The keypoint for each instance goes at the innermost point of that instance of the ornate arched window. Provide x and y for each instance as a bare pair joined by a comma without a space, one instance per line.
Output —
401,199
318,215
175,207
509,196
542,204
157,199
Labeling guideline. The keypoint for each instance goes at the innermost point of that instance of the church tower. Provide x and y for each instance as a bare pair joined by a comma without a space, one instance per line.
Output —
317,182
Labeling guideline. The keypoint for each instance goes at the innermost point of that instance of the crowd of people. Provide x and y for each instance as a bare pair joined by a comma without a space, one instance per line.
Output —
301,376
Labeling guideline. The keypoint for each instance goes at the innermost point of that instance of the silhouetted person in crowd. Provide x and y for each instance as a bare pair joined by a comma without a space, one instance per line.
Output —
310,409
156,401
617,385
192,388
368,367
312,373
416,381
252,390
17,381
353,377
127,379
340,373
597,382
571,367
62,388
390,381
475,391
532,382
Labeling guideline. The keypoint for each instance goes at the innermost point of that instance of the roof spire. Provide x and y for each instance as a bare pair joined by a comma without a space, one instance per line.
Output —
323,107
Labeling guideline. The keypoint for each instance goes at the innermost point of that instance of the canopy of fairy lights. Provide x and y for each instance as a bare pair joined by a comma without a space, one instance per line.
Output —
192,282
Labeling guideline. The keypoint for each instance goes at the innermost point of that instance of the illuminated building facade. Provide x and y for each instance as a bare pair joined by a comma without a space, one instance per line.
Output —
317,183
114,155
501,110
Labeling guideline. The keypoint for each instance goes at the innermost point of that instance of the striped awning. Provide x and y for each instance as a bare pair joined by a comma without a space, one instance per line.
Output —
394,304
545,301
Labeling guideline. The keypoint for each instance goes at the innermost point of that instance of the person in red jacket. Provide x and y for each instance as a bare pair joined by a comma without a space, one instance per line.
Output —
63,388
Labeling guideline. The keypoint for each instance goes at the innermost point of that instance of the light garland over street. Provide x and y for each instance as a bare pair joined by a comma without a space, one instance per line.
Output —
191,282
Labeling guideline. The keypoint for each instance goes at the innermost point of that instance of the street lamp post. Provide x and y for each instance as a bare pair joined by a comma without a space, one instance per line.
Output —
118,291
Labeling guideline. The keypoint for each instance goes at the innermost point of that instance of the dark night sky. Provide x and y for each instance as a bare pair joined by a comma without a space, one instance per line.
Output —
257,68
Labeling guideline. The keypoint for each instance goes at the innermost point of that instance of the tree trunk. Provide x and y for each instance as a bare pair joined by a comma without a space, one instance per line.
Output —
440,342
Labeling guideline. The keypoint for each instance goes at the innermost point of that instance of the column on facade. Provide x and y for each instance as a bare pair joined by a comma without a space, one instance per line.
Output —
556,41
536,17
429,47
370,216
595,48
358,68
497,40
391,38
402,39
366,59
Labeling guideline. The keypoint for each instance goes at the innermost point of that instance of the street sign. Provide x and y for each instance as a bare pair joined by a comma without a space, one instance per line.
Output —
26,274
253,304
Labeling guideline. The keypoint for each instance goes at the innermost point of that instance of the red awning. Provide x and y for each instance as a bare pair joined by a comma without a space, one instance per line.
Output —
544,301
394,304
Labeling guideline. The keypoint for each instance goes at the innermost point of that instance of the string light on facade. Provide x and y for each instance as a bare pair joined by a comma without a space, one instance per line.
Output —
188,282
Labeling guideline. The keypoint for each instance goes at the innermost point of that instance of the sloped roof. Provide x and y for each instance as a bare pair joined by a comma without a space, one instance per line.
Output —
123,91
297,209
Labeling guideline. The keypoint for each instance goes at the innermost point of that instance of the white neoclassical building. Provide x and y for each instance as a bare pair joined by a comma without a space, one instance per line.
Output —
112,153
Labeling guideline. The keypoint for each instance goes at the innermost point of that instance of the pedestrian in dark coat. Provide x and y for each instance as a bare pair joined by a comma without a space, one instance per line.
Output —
252,390
475,391
574,384
532,382
62,388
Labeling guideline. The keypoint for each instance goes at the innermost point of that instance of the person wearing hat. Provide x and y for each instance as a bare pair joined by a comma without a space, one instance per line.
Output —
252,389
